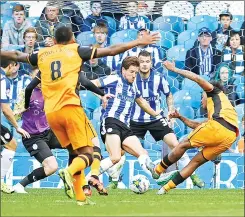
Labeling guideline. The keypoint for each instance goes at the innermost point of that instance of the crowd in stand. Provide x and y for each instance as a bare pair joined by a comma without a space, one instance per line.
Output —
217,55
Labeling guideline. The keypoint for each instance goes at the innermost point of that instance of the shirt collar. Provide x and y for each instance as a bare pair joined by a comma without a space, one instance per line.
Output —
2,71
150,78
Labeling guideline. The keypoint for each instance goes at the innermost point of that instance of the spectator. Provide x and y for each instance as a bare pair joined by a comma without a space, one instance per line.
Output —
30,38
233,54
154,50
202,59
95,18
14,29
101,35
132,20
221,35
224,76
240,143
48,23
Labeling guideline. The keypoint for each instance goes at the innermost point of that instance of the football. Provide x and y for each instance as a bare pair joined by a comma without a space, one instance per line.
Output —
139,184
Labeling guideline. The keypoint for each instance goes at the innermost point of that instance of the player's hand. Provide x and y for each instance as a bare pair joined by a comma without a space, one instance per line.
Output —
147,39
23,133
49,42
105,99
174,114
169,65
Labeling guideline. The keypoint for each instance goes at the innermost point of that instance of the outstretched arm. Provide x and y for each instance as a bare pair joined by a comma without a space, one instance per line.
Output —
120,48
205,85
16,56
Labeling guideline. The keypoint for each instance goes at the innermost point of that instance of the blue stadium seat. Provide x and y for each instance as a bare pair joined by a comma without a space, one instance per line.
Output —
177,53
187,38
240,110
186,111
173,84
89,100
169,24
178,64
179,128
188,84
197,22
237,22
97,114
239,79
112,25
240,92
123,36
187,98
4,19
33,20
7,8
86,38
167,40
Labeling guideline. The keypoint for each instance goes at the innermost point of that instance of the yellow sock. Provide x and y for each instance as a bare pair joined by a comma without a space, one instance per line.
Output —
169,185
159,168
78,164
95,167
83,179
77,183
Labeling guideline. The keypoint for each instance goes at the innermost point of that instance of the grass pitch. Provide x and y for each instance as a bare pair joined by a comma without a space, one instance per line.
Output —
53,202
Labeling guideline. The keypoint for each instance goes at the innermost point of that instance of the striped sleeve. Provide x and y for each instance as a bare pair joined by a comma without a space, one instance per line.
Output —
164,86
5,91
106,80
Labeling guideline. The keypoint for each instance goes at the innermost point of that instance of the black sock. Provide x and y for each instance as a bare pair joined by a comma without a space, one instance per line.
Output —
34,176
166,162
177,179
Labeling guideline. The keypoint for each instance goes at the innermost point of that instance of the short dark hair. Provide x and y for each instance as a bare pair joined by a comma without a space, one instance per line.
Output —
101,25
130,61
232,34
92,2
5,63
30,30
18,7
217,84
144,53
63,34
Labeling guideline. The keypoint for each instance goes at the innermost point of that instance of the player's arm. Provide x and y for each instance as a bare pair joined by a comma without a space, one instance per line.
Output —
8,113
190,123
16,56
205,85
170,102
146,107
30,87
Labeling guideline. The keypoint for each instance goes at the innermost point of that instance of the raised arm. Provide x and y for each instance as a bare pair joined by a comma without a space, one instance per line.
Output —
205,85
146,107
120,48
16,56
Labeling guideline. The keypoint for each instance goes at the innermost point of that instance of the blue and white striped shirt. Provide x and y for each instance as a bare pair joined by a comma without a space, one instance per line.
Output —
151,89
206,60
127,22
5,88
112,61
125,93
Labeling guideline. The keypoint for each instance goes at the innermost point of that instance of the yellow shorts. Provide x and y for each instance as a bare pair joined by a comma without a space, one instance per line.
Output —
71,126
214,137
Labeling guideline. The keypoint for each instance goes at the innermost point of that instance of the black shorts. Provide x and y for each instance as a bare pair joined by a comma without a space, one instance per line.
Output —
40,145
114,126
158,129
6,135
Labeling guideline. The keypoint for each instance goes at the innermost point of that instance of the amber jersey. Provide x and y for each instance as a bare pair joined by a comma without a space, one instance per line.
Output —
59,66
219,106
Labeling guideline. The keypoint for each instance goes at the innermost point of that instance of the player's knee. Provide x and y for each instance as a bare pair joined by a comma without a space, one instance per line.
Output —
88,158
96,142
50,165
115,159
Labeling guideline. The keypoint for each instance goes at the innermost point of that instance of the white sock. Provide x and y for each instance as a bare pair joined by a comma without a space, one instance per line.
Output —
6,161
115,171
105,164
183,161
144,159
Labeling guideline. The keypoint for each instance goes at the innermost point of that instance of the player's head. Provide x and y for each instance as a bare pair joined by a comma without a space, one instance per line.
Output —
204,36
96,8
223,73
145,61
100,33
52,12
8,66
64,35
132,7
18,14
216,84
234,40
130,67
30,37
225,19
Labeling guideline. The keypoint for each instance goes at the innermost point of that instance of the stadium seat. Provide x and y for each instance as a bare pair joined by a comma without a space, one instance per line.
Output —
177,53
4,19
33,20
123,36
197,22
173,84
187,98
240,92
97,114
211,8
7,8
237,22
169,24
112,25
89,100
86,38
183,9
240,110
187,38
167,40
186,111
178,64
188,84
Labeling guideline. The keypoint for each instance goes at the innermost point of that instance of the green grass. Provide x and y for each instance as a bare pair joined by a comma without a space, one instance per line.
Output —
53,202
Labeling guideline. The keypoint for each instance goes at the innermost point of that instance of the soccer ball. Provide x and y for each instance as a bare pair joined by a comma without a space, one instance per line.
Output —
139,184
